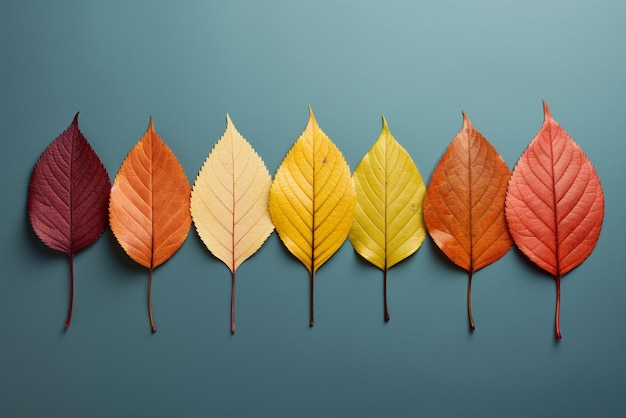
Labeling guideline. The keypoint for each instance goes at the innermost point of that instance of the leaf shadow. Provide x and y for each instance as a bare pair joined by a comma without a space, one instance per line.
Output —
122,258
361,261
200,243
41,250
444,261
455,270
287,256
535,273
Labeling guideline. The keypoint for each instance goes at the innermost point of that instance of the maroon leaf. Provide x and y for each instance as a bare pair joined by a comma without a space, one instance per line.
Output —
68,197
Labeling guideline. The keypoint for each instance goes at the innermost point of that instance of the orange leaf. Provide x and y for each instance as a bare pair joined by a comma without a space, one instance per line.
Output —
464,204
149,206
555,203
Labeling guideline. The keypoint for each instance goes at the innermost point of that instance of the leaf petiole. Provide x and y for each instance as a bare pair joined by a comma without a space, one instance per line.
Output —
69,312
557,327
232,304
469,302
150,301
312,314
385,294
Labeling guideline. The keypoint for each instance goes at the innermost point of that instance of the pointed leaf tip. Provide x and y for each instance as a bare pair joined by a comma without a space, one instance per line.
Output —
312,116
546,110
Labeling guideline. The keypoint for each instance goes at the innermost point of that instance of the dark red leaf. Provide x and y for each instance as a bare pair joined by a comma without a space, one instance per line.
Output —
68,196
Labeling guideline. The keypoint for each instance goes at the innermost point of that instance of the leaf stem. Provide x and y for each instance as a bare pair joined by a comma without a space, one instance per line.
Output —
150,301
557,327
232,303
69,312
312,314
469,302
385,294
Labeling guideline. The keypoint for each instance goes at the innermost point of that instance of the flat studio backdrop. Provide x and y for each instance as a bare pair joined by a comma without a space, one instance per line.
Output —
419,63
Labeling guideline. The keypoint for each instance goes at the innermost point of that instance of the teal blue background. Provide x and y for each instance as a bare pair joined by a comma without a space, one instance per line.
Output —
188,63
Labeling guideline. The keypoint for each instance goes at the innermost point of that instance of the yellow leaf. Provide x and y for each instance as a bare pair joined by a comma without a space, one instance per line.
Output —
312,200
388,223
229,202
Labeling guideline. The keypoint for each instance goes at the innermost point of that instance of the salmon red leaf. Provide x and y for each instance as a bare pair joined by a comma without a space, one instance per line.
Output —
555,204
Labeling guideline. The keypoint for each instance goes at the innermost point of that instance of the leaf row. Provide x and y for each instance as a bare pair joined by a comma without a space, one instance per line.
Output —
551,206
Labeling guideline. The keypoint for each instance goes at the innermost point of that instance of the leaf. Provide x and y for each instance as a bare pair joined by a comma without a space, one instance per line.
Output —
464,204
229,203
388,223
312,200
68,195
149,207
555,203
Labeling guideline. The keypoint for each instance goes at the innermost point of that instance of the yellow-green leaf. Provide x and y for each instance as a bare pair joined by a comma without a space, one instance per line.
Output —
388,223
229,203
312,200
